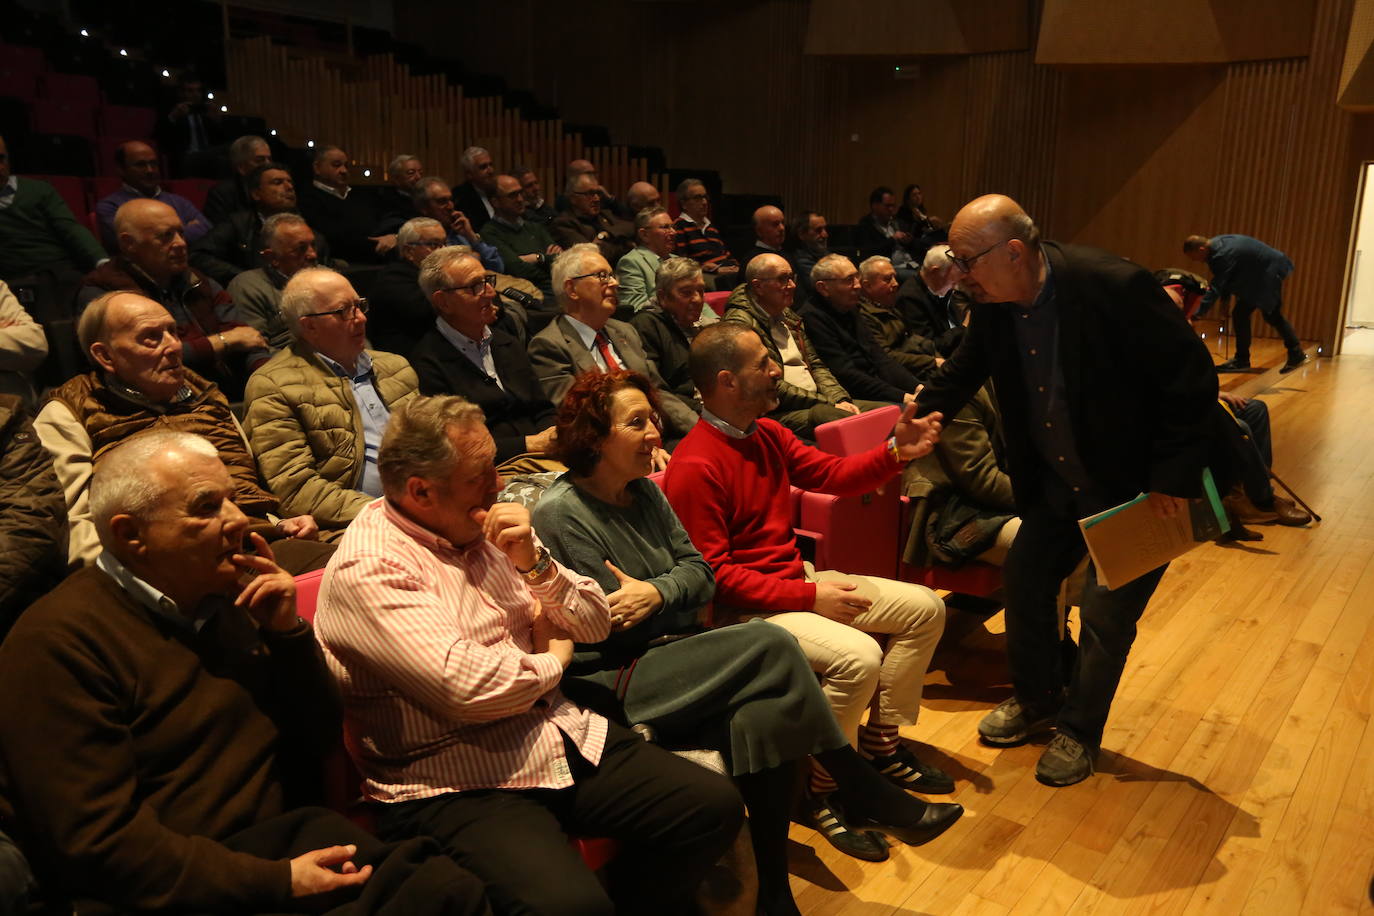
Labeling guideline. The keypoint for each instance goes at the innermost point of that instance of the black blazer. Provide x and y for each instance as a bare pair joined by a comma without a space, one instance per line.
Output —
852,355
466,199
928,315
520,410
235,245
1140,384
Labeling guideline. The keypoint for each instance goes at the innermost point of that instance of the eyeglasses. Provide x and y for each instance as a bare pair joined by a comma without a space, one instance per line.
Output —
590,193
966,264
425,244
602,276
476,286
780,279
346,312
695,197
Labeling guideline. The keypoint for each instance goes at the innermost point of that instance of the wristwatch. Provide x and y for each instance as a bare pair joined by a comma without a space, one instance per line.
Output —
542,562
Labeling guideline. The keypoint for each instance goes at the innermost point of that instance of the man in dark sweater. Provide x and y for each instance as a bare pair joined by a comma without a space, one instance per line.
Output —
667,325
348,219
526,247
173,717
37,230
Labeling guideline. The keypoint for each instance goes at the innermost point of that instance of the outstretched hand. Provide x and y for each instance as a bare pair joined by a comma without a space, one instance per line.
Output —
916,436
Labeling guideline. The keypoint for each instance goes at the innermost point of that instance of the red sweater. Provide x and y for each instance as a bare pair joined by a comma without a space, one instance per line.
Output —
734,500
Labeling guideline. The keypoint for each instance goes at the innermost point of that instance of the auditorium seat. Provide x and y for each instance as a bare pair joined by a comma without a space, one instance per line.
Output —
73,191
72,88
193,189
61,116
102,186
125,122
14,118
59,154
717,301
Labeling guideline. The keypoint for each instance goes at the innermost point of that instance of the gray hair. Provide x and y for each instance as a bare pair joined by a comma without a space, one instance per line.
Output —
470,155
298,297
421,192
273,223
90,327
399,162
674,270
409,233
576,179
571,263
434,268
416,442
125,481
687,183
643,216
869,266
322,151
241,150
936,260
829,267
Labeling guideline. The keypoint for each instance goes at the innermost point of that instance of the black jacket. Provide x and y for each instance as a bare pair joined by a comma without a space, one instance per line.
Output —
466,199
668,346
849,351
226,198
928,315
235,245
399,314
521,410
347,223
33,516
1140,384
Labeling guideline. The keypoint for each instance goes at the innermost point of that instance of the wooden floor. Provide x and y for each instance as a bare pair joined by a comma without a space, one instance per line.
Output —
1238,767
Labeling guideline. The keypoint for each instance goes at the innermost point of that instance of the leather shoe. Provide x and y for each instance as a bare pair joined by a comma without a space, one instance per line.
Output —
1234,365
1287,513
938,818
1293,363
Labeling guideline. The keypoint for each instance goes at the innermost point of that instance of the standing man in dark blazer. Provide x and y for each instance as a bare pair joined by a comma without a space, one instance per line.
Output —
1254,273
1106,393
463,354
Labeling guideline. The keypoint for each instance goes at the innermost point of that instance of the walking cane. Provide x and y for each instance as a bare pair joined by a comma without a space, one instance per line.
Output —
1296,498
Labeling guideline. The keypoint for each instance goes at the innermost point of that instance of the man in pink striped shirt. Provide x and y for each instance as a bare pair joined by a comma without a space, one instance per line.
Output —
448,628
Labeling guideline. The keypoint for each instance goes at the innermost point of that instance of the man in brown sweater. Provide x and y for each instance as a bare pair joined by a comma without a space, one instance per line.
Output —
172,716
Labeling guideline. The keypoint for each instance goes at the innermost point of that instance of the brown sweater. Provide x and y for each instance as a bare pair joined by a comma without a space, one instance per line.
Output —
131,745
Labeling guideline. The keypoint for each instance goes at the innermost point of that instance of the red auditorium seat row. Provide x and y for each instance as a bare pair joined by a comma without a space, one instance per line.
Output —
82,194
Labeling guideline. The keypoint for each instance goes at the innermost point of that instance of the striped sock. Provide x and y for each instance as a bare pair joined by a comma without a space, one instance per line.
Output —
821,781
877,740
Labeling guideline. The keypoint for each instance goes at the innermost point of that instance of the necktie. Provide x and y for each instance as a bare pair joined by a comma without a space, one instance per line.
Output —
603,346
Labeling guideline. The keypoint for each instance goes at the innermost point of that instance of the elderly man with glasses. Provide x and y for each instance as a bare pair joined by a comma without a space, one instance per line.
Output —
586,338
588,220
317,410
434,199
288,245
525,245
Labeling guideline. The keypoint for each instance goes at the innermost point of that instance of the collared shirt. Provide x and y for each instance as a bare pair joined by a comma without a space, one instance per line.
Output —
433,649
734,432
330,189
374,415
795,371
486,201
8,191
148,596
478,352
588,337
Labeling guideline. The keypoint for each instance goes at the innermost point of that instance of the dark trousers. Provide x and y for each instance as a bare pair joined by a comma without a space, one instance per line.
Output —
1257,452
1045,551
1240,321
673,820
413,876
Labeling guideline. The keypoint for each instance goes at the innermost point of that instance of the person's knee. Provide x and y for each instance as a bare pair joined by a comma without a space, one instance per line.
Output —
557,898
719,807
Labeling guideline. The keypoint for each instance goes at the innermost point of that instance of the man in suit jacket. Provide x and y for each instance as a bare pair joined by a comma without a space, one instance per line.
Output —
231,195
1106,393
932,305
1254,273
586,338
477,196
877,232
463,354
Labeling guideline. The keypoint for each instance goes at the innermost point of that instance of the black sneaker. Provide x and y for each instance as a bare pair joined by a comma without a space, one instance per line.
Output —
825,815
1234,365
1293,363
904,770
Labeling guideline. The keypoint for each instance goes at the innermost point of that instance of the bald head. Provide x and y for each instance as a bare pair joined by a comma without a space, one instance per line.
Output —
771,282
150,235
580,167
996,250
138,166
770,226
642,196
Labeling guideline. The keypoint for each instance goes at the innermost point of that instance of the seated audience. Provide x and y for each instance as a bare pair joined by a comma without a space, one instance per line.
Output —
475,196
140,384
726,492
434,199
37,231
925,230
463,352
667,325
584,220
232,194
316,411
189,124
23,347
636,271
448,626
536,207
348,220
843,341
33,515
811,242
397,201
932,304
585,337
642,196
217,341
879,233
887,322
608,203
235,244
808,394
288,245
697,238
770,233
138,166
526,247
174,717
745,691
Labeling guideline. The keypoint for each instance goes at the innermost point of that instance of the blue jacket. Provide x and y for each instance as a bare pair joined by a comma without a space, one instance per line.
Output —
1247,269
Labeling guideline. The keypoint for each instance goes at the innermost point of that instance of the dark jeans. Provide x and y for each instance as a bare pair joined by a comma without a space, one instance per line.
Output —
672,818
1045,551
1240,320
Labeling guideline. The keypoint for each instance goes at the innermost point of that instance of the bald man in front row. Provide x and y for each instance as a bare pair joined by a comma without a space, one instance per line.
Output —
1105,393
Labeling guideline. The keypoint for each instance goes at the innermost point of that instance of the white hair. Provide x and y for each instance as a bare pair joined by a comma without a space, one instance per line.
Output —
572,263
869,266
299,297
399,162
434,268
937,258
470,156
273,224
829,267
410,229
125,480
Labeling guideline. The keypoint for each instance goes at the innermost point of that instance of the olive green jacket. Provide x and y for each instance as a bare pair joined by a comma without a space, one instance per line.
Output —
741,307
894,335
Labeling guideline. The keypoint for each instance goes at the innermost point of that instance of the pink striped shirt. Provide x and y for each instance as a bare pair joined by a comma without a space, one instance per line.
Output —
432,648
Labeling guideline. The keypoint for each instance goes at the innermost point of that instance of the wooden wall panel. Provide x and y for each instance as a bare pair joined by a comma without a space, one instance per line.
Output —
910,28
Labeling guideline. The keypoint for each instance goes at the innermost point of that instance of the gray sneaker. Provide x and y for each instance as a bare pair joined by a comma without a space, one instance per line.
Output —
1064,762
1012,723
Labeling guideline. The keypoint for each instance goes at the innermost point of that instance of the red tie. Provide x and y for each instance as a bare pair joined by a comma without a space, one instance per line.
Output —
603,346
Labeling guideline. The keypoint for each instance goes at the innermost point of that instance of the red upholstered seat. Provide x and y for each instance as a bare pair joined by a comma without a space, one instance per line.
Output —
73,191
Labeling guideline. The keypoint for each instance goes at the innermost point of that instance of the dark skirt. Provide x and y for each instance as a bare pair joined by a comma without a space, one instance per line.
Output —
744,690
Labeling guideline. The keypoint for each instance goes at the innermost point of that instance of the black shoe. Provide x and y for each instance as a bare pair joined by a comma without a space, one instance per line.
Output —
905,771
1293,363
1234,365
938,818
828,818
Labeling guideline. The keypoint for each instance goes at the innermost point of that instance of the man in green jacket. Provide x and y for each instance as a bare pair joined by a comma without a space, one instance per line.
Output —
37,230
525,246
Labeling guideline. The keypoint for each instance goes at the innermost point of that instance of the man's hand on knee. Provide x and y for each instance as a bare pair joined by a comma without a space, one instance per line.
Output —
314,872
839,601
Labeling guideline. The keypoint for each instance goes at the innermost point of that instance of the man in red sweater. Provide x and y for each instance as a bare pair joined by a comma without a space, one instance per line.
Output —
728,482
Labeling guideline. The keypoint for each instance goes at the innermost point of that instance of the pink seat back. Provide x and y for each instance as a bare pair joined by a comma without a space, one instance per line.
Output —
859,433
308,593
